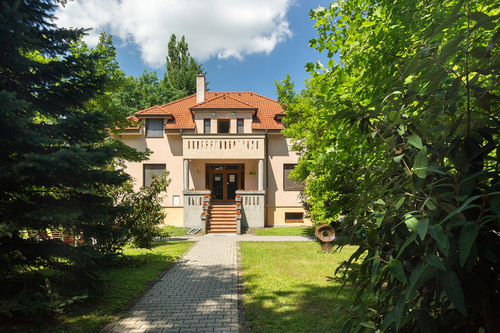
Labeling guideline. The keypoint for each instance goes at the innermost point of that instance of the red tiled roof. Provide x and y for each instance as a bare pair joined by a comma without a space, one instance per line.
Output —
153,111
224,101
182,118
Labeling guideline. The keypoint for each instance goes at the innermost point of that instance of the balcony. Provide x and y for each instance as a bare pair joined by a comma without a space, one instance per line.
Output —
223,146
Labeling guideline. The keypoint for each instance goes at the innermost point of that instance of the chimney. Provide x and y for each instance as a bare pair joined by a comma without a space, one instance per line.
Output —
200,88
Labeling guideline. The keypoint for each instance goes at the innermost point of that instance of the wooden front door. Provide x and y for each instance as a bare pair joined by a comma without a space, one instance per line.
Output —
224,180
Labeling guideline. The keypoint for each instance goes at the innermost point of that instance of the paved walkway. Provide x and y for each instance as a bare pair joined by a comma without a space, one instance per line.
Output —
199,294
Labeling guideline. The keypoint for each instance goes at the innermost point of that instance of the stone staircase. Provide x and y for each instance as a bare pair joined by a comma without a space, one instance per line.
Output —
222,220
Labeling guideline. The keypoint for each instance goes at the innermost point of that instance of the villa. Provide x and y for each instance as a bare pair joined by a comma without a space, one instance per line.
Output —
228,161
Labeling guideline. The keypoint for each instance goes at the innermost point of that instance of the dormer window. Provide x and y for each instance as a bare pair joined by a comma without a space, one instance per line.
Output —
154,128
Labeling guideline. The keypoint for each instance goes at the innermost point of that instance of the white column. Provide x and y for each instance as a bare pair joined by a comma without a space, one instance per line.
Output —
261,175
186,175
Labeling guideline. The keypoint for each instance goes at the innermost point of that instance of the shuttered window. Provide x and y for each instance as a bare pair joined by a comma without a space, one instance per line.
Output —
154,127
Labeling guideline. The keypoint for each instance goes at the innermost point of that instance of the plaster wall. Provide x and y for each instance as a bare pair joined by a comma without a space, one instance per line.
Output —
246,115
277,216
279,154
166,150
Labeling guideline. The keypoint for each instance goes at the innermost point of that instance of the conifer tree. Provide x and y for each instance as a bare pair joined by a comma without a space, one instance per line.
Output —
53,171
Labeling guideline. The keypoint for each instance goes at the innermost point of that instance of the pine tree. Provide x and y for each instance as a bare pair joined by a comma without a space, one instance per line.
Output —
53,171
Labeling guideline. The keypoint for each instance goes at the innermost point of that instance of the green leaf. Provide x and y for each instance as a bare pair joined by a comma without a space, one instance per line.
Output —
368,23
400,202
415,277
433,260
437,232
422,228
396,268
483,20
375,267
398,311
411,222
415,141
453,289
398,159
467,238
450,48
368,325
446,24
401,129
408,242
421,162
380,202
430,203
462,208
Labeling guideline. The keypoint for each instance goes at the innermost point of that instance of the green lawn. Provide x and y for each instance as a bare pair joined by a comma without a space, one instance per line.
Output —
122,285
175,231
290,286
287,231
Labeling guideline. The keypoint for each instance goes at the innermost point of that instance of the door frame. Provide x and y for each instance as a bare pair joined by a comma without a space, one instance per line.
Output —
240,178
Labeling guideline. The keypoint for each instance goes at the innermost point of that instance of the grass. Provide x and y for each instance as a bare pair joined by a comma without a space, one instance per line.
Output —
290,286
175,231
287,231
122,285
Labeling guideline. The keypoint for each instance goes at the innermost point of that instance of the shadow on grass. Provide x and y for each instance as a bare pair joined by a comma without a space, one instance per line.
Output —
306,308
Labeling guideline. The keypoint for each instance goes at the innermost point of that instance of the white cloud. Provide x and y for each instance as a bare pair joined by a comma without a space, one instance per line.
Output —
222,28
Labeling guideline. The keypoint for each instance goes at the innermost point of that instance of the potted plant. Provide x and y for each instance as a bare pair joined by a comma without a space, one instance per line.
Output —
238,215
205,206
238,205
204,215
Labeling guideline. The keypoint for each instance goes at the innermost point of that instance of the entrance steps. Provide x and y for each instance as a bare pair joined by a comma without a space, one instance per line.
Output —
222,219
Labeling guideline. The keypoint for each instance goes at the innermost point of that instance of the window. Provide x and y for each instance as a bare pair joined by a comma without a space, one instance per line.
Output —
223,126
294,217
206,126
289,183
240,125
151,171
154,127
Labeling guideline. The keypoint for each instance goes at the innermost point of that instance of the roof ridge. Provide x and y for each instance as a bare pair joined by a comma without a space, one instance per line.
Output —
201,104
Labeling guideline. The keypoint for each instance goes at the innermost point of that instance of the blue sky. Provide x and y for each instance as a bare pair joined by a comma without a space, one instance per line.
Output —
243,45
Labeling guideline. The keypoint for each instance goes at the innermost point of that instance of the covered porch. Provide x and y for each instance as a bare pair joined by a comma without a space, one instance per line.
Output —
210,184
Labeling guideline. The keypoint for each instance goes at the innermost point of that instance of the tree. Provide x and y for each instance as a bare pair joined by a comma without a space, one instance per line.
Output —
53,163
413,109
181,67
145,91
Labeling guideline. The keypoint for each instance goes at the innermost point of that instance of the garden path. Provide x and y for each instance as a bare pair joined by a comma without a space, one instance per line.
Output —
200,292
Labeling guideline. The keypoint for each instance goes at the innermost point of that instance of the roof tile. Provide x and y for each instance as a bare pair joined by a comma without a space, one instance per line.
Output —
180,110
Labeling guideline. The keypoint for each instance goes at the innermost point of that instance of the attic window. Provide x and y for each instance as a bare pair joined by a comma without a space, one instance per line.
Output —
154,128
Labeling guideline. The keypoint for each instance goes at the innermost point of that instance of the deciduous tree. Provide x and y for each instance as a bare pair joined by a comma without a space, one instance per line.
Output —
412,109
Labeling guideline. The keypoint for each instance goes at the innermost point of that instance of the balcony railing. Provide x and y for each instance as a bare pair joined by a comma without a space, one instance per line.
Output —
224,146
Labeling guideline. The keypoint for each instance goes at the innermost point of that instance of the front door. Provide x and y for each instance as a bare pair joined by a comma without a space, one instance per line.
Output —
218,186
232,185
224,180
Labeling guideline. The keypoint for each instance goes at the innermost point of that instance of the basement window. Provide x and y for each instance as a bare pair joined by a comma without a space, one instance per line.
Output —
294,217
